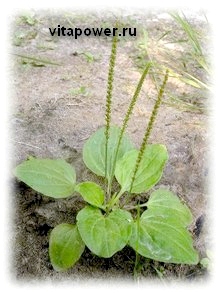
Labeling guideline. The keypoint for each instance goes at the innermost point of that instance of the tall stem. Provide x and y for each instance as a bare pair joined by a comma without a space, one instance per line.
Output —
128,115
109,103
149,128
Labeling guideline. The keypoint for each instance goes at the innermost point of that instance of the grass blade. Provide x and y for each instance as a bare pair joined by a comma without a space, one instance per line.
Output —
39,60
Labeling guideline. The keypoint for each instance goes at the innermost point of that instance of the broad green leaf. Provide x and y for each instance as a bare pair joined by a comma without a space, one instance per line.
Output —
166,203
91,192
54,178
161,234
94,150
104,234
149,172
65,246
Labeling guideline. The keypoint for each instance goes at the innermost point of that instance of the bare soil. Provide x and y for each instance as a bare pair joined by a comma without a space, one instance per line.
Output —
55,108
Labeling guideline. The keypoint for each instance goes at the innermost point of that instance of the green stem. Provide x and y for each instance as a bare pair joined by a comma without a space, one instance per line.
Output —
137,256
114,199
136,270
135,207
109,103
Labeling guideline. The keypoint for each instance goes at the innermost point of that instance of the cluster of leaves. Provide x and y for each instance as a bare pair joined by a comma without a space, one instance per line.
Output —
105,225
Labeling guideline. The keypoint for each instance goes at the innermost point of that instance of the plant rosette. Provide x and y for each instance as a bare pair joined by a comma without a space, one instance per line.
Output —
160,233
105,225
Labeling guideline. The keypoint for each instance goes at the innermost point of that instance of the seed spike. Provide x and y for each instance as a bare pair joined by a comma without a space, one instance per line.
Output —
109,98
149,127
129,112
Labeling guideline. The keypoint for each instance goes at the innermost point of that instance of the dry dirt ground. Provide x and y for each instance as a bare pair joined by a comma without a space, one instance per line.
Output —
55,108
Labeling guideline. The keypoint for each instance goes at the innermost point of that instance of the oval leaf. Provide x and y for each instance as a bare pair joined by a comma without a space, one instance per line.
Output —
65,246
149,172
94,150
54,178
91,193
166,203
160,233
104,234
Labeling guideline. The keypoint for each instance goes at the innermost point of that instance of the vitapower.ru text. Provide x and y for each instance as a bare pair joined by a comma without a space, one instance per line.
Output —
76,32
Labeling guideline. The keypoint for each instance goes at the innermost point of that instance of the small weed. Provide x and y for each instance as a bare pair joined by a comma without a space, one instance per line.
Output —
22,37
29,19
18,38
89,57
79,91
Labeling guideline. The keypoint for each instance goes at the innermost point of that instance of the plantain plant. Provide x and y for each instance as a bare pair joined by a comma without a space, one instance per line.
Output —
108,222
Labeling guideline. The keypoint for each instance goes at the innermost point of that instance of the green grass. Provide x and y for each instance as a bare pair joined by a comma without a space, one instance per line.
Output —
179,49
28,18
36,61
78,91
